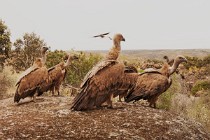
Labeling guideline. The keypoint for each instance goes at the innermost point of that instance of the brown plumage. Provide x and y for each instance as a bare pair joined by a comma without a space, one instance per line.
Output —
32,78
57,74
130,77
99,82
151,84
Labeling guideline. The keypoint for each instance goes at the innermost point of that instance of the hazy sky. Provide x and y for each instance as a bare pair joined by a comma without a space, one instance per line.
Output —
145,24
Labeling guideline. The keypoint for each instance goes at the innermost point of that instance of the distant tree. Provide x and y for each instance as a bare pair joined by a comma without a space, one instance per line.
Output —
26,50
5,43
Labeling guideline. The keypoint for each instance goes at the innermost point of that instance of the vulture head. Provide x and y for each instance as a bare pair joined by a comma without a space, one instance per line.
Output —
178,60
44,49
118,37
165,57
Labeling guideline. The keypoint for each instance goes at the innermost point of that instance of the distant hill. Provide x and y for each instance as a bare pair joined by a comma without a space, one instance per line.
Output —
158,54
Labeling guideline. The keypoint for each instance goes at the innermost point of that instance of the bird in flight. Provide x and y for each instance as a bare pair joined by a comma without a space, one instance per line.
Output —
103,35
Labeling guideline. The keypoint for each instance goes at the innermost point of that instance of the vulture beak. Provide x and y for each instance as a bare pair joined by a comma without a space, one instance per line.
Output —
185,60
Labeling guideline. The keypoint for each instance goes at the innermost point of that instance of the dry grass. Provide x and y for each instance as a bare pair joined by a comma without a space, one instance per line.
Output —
7,82
196,108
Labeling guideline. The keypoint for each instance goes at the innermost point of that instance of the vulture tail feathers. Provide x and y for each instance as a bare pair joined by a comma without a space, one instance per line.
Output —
132,97
17,96
82,101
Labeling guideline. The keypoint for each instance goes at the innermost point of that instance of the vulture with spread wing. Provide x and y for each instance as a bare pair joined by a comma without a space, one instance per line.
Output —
101,80
32,78
56,75
151,84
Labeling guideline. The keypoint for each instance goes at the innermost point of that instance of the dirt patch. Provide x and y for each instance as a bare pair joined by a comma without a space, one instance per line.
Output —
51,118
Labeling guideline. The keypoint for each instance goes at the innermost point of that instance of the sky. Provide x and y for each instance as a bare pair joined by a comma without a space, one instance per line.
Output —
145,24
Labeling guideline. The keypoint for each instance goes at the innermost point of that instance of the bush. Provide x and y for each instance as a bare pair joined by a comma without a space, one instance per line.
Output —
78,69
200,85
200,110
165,99
197,62
54,58
6,82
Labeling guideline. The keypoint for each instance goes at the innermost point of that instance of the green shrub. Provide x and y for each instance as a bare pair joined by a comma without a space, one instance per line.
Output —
165,99
197,62
78,69
200,85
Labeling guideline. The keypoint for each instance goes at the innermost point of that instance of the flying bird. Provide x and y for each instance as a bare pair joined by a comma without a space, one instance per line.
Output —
103,35
32,78
99,82
151,84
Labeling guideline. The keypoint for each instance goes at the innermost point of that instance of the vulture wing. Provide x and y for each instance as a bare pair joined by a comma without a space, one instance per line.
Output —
98,85
101,65
29,83
127,83
149,85
54,73
50,69
25,73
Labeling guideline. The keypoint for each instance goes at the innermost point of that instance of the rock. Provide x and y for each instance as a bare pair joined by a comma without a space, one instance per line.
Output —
51,118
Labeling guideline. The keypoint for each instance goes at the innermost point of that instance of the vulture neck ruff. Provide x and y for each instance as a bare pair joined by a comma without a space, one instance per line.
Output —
44,57
115,51
68,61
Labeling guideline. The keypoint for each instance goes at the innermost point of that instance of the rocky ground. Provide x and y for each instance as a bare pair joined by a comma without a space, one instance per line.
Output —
51,118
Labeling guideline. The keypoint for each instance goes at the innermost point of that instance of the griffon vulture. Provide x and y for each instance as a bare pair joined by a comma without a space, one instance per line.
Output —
56,75
99,82
151,84
32,78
